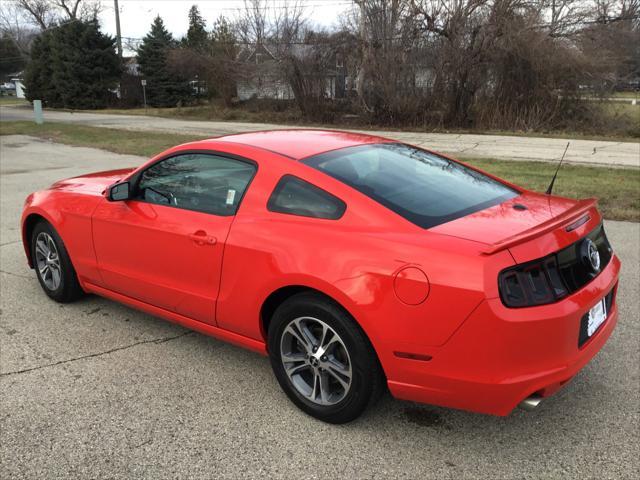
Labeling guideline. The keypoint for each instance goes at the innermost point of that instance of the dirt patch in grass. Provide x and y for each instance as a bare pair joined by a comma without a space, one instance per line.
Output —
618,189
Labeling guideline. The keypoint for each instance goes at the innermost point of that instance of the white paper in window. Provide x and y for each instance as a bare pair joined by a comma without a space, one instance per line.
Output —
231,195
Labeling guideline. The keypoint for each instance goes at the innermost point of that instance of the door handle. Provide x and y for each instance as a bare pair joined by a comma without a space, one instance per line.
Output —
201,238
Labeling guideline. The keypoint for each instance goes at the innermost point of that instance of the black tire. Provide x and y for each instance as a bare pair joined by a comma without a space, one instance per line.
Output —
367,379
68,288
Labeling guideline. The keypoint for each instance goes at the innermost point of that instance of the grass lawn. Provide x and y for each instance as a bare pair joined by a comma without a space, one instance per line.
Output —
617,188
629,95
11,100
145,144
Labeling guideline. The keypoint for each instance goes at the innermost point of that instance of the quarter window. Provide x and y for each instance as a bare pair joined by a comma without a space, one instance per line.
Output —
294,196
201,182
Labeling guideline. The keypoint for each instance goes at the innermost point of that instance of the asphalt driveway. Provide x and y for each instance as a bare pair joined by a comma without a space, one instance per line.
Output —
97,390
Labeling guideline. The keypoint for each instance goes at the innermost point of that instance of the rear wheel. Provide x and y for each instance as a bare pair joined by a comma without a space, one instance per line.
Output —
322,359
53,267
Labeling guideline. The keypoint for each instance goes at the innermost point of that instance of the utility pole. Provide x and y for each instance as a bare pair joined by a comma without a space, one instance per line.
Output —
364,52
118,35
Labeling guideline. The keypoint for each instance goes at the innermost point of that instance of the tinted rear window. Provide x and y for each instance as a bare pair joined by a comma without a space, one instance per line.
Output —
424,188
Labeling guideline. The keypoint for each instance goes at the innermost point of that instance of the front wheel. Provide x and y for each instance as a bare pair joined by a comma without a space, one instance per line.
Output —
53,266
322,359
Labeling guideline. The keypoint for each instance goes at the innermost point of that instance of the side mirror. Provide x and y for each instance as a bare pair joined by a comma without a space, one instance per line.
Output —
119,191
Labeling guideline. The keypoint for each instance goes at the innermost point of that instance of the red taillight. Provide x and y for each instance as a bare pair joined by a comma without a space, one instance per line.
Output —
533,283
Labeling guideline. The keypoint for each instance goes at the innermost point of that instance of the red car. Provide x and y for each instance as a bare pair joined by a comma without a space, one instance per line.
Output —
353,261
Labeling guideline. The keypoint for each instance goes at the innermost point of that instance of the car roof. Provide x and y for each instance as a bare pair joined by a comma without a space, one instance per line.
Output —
301,143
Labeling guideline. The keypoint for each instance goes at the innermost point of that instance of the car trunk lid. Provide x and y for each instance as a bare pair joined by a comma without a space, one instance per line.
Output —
530,225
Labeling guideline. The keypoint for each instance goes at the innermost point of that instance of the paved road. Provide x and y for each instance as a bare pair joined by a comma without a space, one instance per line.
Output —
95,389
492,146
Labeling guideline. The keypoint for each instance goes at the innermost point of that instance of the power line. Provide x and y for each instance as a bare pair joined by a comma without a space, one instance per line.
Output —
241,6
267,6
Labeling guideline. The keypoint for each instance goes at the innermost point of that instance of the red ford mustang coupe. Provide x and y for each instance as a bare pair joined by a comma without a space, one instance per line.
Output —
353,261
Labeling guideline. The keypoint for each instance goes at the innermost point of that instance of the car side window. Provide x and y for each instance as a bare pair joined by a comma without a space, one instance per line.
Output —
295,196
202,182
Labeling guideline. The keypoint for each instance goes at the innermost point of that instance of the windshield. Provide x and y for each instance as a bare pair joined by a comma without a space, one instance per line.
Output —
424,188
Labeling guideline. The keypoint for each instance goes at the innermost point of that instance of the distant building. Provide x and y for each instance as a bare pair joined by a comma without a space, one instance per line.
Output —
131,66
263,78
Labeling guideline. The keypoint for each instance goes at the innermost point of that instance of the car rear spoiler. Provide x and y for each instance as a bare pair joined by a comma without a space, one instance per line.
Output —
576,212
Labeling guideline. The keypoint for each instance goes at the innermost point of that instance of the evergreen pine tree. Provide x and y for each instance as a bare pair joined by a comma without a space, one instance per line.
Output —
38,74
164,87
73,66
224,51
197,37
223,38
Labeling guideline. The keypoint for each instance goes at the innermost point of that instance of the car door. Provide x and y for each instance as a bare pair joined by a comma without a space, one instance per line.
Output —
164,245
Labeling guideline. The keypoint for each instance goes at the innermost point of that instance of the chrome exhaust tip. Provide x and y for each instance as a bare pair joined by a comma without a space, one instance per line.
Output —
530,403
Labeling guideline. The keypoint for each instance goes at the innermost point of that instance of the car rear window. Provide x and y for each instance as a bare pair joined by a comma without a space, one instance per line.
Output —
424,188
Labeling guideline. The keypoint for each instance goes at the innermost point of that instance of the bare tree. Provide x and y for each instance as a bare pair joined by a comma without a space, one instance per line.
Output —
282,30
38,12
14,26
252,24
46,13
462,33
70,7
392,60
611,41
296,58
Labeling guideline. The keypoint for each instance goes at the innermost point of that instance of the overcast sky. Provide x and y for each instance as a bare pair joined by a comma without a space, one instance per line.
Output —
136,15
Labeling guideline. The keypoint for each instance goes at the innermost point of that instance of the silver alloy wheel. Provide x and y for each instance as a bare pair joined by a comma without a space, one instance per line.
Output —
316,360
48,261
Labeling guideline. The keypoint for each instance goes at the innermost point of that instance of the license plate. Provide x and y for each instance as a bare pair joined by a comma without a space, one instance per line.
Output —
597,316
